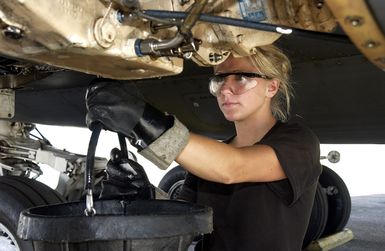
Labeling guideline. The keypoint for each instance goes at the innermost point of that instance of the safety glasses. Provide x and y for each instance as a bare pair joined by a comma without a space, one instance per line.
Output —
244,82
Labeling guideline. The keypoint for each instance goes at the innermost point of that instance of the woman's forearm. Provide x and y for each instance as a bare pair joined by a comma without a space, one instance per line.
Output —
223,163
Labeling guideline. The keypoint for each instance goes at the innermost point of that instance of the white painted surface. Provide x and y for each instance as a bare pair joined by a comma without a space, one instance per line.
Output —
362,167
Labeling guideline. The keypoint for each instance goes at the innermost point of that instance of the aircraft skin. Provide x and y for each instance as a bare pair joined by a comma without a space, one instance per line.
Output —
338,93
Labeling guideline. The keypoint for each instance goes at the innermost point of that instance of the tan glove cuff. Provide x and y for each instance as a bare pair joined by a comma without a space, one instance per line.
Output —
163,151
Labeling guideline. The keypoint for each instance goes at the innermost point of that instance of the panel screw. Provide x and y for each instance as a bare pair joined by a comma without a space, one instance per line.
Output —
355,21
371,44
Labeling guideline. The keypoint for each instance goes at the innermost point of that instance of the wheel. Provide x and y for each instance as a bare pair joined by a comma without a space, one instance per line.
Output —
338,199
318,218
173,181
17,194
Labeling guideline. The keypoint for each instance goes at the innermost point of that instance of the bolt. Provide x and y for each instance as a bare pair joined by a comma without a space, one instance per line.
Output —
105,33
187,55
183,2
371,44
319,4
120,16
126,17
214,57
355,21
13,32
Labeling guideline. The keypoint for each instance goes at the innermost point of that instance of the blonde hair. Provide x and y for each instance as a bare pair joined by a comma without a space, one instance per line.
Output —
272,62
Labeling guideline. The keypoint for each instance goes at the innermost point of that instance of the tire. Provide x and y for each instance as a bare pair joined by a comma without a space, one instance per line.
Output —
338,199
318,218
172,182
16,195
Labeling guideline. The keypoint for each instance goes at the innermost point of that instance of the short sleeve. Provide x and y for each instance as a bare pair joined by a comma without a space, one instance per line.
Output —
297,149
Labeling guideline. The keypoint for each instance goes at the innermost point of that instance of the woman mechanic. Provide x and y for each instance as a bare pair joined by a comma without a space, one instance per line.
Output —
260,183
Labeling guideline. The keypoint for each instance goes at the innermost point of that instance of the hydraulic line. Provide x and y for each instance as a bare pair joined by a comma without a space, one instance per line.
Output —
192,17
151,46
251,25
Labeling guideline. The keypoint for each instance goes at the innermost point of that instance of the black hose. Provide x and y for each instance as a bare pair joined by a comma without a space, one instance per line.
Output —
123,146
46,141
89,173
250,25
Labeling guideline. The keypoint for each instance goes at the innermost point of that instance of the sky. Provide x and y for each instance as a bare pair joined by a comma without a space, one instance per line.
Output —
362,167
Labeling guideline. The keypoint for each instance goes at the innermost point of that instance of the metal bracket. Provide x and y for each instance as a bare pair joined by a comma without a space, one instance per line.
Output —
359,24
7,103
90,210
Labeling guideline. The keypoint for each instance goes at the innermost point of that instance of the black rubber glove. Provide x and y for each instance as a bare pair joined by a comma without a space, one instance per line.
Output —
126,179
120,108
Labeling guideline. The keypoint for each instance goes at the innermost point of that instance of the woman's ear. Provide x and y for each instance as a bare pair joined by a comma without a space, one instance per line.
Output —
272,88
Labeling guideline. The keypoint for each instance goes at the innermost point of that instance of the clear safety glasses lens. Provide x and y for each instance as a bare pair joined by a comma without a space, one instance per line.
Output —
243,82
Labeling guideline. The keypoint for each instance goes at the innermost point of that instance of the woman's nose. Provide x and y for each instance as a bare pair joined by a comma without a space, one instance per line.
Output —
228,86
226,89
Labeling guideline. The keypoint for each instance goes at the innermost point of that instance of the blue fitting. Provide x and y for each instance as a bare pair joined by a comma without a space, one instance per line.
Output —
137,47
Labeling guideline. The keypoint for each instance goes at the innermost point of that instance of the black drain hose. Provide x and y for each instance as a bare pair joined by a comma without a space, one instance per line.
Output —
90,160
123,146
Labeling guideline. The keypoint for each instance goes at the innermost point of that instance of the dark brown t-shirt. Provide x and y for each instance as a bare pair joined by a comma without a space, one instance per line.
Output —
264,215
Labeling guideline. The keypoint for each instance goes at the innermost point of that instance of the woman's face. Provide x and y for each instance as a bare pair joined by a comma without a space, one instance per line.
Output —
252,98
